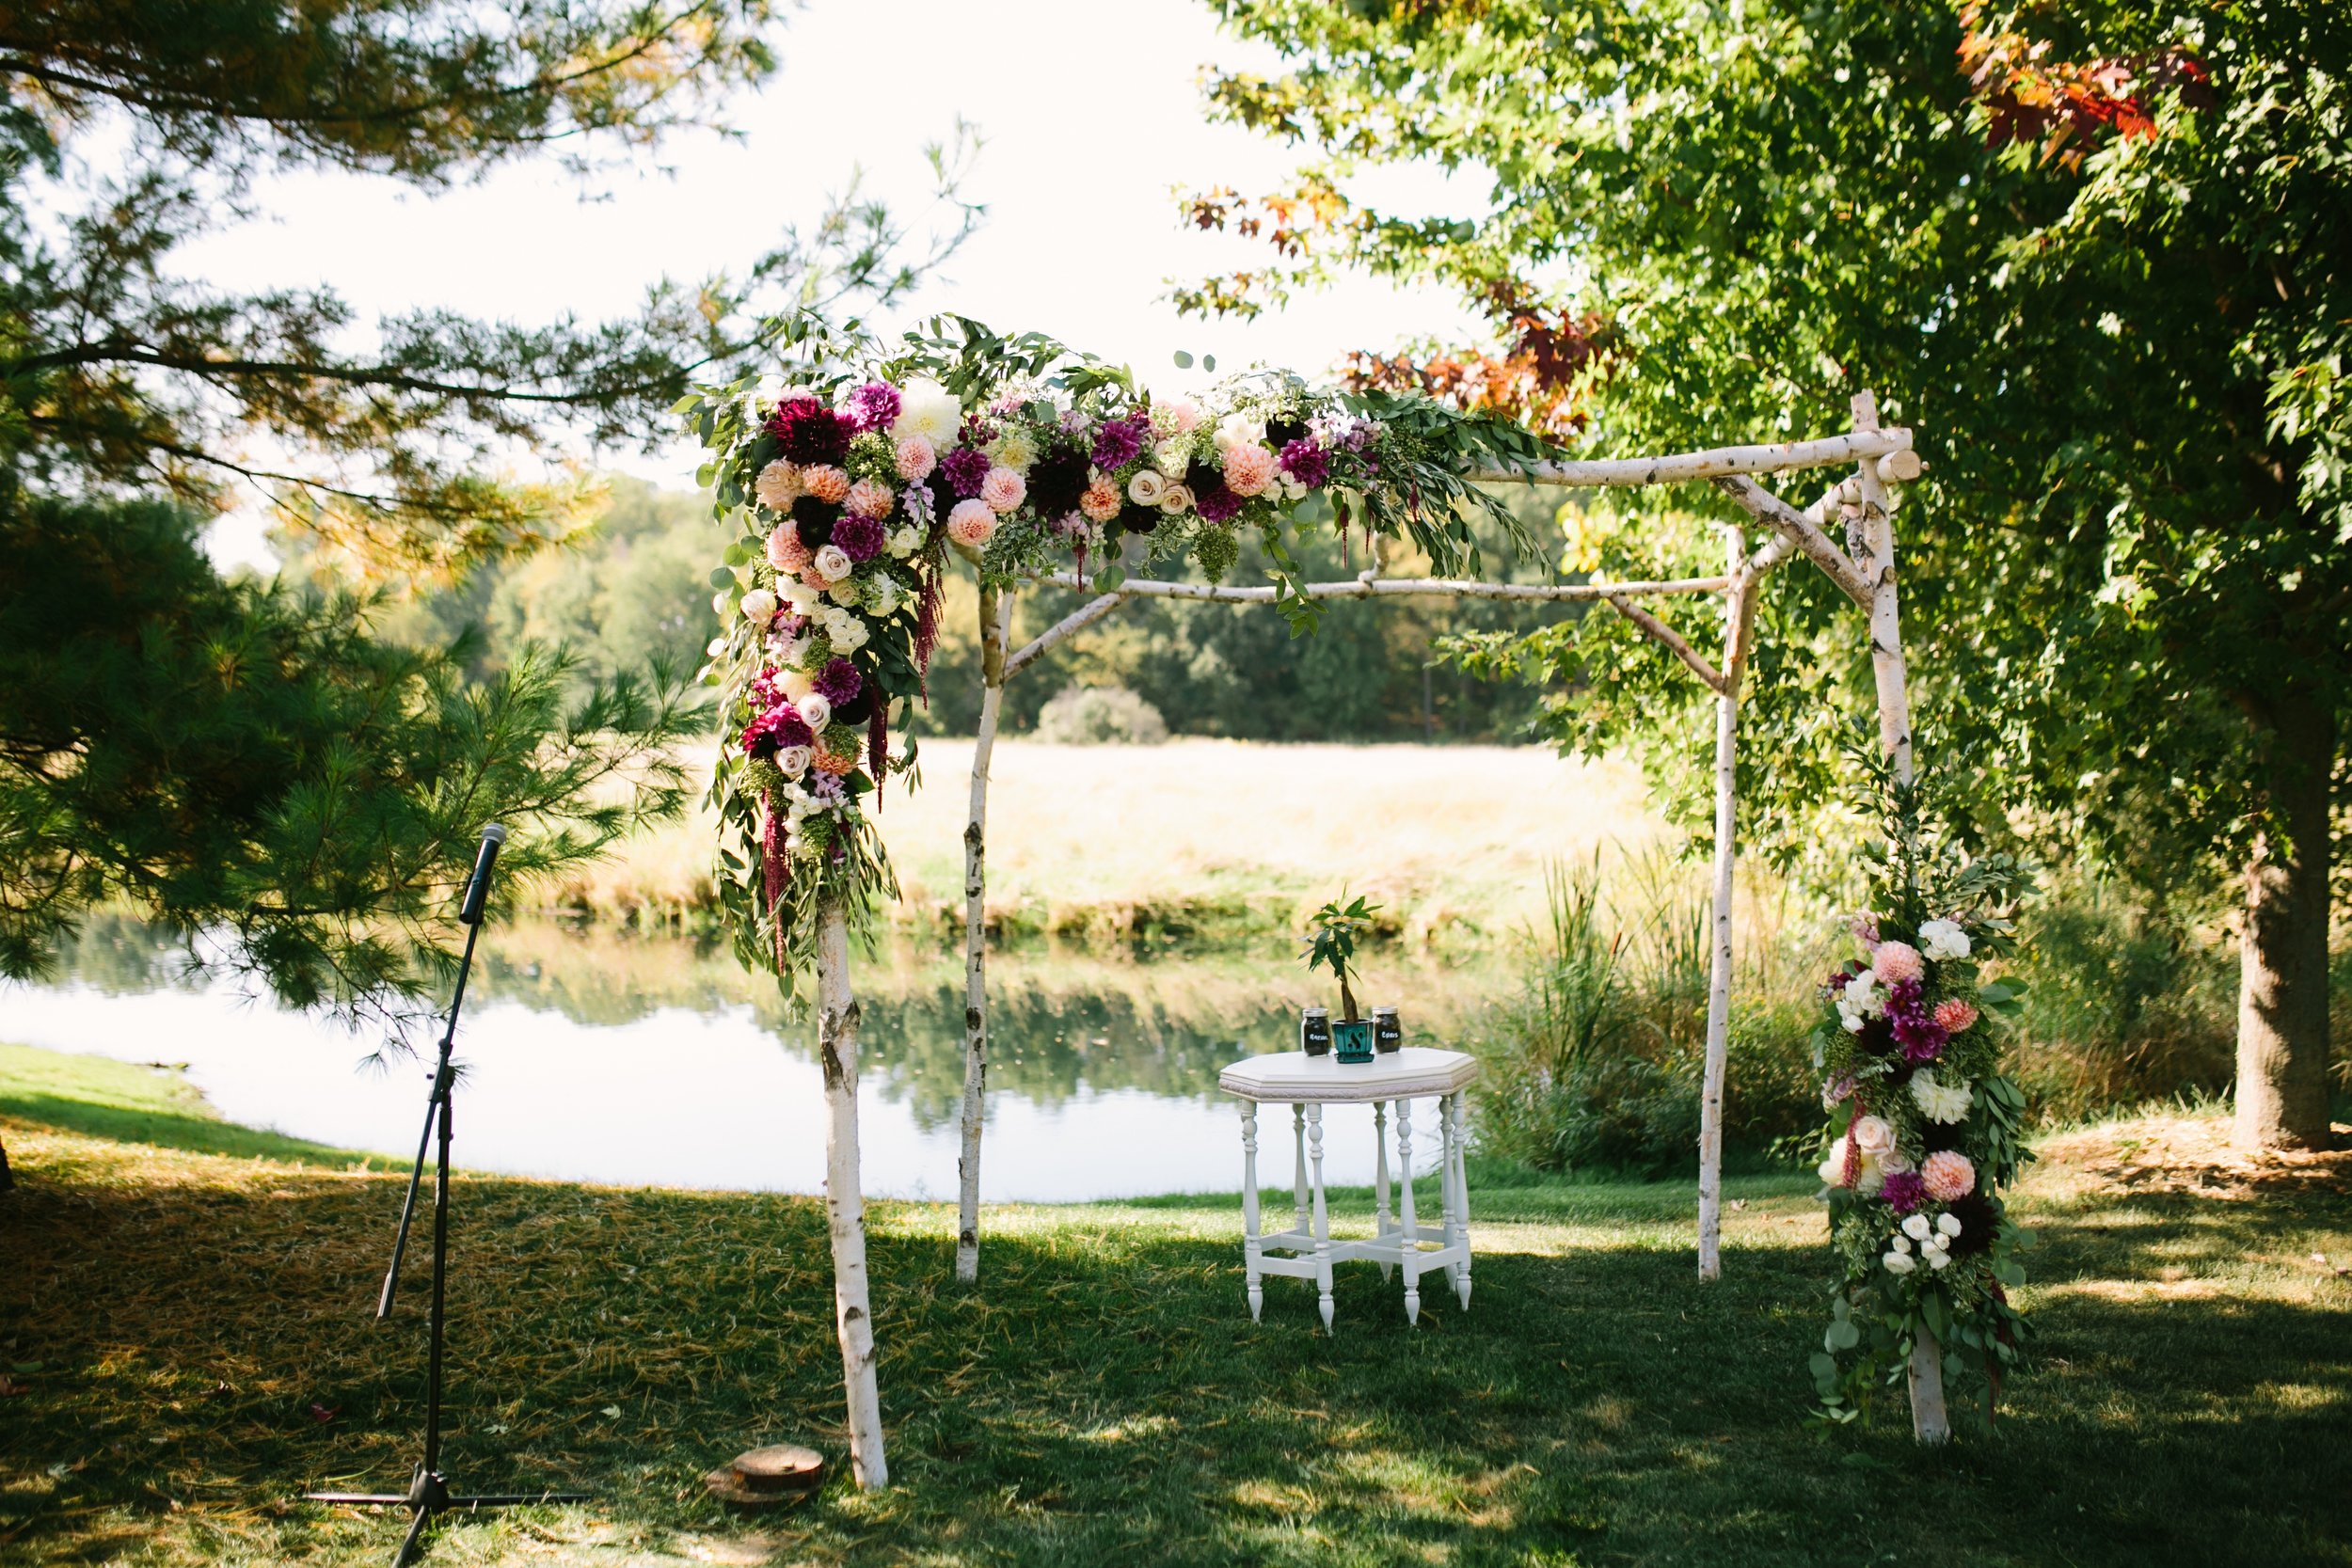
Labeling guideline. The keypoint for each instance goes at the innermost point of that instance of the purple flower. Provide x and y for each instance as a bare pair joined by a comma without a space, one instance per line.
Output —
1903,1191
1217,504
778,726
839,681
1306,462
860,538
965,467
874,405
1116,443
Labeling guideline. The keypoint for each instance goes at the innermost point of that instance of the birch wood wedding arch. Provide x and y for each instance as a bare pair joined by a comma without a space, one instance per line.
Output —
1862,567
806,918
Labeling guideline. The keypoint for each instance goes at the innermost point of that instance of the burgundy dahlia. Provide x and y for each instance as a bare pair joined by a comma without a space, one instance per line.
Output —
1057,481
839,681
1904,1191
778,726
1306,462
965,467
875,405
860,538
813,521
808,431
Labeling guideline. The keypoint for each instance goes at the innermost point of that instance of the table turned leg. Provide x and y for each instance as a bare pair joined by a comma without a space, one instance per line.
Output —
1323,1215
1410,1255
1249,1227
1457,1219
1380,1171
1299,1183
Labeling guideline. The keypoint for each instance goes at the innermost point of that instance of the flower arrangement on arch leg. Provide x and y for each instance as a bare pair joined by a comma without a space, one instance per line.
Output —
1923,1122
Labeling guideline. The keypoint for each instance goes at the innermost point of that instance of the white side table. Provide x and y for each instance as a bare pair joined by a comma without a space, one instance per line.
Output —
1307,1085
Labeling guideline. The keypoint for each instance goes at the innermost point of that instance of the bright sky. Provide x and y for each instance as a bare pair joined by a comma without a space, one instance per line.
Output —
1093,117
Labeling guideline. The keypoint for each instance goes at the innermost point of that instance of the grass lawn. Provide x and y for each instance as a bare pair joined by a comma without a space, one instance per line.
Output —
189,1344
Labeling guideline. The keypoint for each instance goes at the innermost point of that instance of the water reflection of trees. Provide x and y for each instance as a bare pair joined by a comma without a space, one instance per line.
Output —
1063,1023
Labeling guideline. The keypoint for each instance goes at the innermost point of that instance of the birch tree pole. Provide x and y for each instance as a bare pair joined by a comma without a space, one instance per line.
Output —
845,1197
996,619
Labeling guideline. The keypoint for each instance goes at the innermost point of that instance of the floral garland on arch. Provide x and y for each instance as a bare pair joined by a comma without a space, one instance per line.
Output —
849,478
1924,1128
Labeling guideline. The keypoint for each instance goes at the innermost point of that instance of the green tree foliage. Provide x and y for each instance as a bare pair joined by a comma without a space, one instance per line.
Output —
259,768
2100,255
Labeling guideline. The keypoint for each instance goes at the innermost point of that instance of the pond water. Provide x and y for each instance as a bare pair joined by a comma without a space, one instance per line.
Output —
603,1057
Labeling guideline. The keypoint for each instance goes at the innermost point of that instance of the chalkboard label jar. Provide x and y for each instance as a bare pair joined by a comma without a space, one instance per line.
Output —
1387,1035
1314,1031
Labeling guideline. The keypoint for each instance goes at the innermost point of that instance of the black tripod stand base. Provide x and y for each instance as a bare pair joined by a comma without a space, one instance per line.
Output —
430,1495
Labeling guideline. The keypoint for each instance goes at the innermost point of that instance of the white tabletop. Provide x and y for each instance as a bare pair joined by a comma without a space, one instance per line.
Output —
1293,1076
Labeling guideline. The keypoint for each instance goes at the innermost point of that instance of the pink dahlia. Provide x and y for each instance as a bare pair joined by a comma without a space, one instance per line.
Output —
1002,489
971,523
1248,468
785,552
916,458
870,497
1896,962
778,485
1947,1176
1102,500
826,482
1955,1015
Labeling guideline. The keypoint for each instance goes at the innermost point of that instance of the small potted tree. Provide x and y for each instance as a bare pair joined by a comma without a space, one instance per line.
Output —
1332,945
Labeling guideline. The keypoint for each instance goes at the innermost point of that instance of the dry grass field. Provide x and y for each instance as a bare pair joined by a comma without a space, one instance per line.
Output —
1197,836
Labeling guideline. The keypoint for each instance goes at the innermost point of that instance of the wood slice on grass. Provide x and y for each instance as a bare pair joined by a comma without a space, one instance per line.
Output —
782,1473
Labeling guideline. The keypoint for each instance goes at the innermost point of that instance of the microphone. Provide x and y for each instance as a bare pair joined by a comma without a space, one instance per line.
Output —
478,889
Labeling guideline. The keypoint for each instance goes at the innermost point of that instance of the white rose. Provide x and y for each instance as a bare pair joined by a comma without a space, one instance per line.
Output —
816,711
1146,488
1873,1135
1898,1264
833,563
852,638
1902,1244
1239,429
1937,1260
800,596
905,542
794,760
759,607
1917,1227
1948,1224
1942,938
843,593
1176,499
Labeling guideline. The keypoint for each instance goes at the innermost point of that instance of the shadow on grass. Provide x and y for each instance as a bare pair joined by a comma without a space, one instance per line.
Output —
192,1135
1104,1398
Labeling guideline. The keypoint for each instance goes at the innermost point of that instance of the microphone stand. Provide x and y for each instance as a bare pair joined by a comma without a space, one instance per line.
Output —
428,1492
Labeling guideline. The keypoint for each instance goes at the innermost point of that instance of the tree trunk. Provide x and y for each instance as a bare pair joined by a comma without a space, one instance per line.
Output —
994,614
1719,975
844,1198
2283,944
7,1179
1930,1422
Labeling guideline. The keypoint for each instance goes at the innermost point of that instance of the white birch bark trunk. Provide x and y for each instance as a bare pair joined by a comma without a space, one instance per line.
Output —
996,615
1930,1423
1727,850
844,1198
